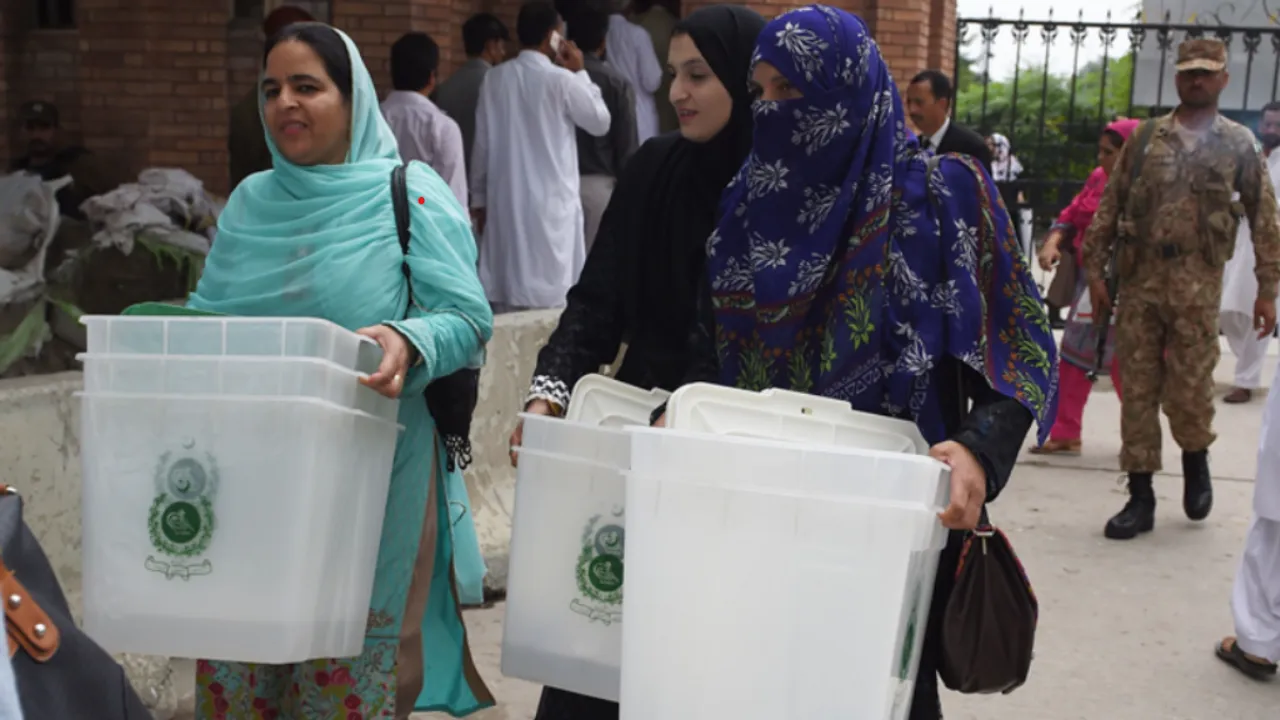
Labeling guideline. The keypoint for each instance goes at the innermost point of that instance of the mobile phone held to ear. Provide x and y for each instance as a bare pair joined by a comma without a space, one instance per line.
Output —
557,41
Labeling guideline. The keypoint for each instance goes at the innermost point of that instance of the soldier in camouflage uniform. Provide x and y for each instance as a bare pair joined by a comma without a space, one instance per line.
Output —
1172,229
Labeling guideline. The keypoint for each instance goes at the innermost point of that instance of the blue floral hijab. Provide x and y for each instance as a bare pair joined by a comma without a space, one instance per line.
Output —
847,266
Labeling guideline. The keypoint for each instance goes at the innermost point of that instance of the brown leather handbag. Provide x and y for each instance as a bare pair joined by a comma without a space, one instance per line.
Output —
989,625
62,674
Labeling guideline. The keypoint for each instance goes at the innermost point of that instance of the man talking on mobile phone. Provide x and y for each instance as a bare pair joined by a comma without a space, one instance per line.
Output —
524,165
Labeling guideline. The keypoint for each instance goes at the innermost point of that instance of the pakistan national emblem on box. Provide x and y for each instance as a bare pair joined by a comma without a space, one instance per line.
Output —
599,570
181,522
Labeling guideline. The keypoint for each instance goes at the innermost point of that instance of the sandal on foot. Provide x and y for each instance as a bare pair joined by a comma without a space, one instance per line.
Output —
1238,396
1230,653
1058,447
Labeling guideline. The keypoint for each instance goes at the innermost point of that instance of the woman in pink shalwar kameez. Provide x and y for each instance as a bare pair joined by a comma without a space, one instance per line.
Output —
1080,340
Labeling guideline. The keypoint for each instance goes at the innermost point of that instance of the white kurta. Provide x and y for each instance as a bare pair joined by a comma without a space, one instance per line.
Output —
1239,291
1239,285
1266,490
1255,600
524,169
629,49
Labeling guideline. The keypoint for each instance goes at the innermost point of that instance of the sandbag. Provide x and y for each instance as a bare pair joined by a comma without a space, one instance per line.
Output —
28,218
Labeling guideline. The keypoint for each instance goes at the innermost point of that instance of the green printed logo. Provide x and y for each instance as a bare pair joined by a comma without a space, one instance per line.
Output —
599,571
181,522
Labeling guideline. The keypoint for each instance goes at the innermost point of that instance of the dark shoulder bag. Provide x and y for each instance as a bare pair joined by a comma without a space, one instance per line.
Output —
989,623
450,400
61,672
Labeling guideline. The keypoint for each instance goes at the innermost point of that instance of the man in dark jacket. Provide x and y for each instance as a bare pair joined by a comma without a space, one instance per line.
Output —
929,98
47,157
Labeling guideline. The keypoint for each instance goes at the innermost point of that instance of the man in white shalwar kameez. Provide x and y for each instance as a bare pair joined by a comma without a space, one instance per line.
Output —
1255,600
524,166
1240,287
629,49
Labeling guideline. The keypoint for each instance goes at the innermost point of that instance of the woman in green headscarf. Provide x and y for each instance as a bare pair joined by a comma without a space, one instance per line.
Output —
316,236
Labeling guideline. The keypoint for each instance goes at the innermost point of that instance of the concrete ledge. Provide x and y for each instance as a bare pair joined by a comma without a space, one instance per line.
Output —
491,480
40,456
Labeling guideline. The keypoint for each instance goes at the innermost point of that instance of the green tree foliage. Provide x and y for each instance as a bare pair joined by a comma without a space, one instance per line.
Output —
1052,119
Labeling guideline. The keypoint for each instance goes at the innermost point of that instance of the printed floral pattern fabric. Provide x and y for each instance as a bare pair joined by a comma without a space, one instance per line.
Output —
360,688
844,266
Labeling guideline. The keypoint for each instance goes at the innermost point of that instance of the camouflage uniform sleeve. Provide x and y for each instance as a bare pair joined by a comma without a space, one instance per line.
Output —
1259,200
1099,241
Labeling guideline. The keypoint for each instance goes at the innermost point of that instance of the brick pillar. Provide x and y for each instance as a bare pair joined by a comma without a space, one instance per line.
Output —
902,30
153,76
942,32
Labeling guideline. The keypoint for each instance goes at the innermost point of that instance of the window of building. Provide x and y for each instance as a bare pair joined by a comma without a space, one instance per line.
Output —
55,14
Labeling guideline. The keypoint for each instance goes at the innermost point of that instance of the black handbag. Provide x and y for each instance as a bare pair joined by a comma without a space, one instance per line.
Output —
451,400
989,625
62,674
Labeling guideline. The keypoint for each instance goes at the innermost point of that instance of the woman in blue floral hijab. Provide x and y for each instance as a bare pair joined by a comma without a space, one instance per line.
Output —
851,264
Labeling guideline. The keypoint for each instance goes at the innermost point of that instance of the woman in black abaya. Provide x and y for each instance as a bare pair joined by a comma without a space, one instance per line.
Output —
641,278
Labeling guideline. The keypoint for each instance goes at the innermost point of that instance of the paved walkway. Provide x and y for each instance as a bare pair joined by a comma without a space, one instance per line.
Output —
1127,629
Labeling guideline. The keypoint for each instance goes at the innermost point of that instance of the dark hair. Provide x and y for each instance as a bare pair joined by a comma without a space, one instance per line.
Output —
939,83
414,59
481,29
1273,106
587,29
536,20
1117,140
325,42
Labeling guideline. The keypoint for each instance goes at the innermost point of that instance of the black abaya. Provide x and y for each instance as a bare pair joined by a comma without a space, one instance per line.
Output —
641,278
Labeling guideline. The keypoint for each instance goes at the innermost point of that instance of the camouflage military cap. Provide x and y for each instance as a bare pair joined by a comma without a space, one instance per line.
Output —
1202,54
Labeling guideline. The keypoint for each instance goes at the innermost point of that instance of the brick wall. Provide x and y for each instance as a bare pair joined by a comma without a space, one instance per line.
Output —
37,65
942,32
374,26
150,82
153,76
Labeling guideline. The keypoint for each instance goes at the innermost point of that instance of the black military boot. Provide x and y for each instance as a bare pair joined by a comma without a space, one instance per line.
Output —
1139,514
1197,488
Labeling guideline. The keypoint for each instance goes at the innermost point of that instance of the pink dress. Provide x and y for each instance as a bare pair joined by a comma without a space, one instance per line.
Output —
1079,347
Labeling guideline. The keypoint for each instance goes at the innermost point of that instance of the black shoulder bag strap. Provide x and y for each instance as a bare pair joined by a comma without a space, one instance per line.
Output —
451,400
400,201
